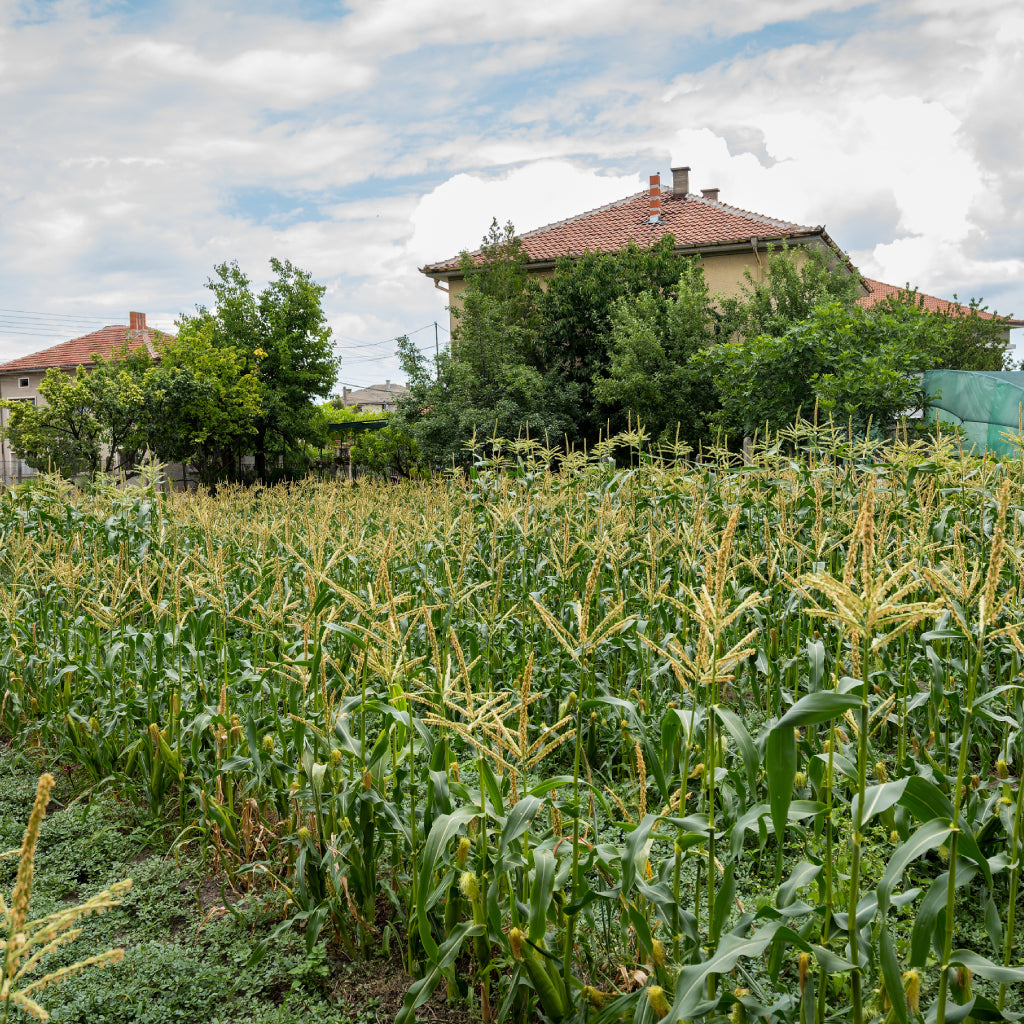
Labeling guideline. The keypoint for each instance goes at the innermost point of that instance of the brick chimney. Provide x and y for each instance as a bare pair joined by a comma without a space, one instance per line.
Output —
137,321
655,199
710,193
680,181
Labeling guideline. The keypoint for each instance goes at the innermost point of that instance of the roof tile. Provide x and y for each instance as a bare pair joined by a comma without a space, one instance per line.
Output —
79,351
692,220
879,291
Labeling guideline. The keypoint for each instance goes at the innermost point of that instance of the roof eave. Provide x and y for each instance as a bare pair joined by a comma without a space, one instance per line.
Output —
7,368
764,242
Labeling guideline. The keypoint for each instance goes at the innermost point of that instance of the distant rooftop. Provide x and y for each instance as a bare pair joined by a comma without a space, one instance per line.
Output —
881,291
79,351
386,394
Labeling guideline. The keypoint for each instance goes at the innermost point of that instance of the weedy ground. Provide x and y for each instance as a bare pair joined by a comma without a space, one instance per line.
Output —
185,953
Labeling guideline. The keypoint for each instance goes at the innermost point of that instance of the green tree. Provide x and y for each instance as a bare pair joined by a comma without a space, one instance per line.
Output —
576,326
960,338
449,403
652,372
390,450
792,283
62,436
201,404
856,365
489,385
497,321
282,338
119,404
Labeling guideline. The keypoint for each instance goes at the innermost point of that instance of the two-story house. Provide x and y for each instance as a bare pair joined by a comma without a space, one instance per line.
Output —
20,378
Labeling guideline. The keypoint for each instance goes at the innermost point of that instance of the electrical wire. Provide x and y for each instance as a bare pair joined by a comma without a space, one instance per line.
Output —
378,359
356,344
39,315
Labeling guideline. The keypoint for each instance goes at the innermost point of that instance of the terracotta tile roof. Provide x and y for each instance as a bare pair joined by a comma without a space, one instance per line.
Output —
79,351
879,291
694,221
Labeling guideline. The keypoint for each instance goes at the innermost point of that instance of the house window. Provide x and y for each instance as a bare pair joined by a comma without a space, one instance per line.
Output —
23,382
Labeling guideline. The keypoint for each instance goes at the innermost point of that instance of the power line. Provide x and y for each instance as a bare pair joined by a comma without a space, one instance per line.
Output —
352,384
384,341
32,334
80,317
42,325
379,359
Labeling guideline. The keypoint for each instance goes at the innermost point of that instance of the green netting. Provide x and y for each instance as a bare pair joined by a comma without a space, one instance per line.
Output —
985,404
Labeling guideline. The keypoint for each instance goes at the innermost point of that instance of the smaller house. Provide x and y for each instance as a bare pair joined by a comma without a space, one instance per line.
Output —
20,378
376,398
879,291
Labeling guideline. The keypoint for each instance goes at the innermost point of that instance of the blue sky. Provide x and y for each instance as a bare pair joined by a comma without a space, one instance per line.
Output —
147,142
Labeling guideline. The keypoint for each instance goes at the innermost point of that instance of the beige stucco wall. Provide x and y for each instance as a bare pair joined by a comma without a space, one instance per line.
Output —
723,272
11,467
9,384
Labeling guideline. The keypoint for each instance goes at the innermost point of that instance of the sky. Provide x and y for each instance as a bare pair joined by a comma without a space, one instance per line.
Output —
145,143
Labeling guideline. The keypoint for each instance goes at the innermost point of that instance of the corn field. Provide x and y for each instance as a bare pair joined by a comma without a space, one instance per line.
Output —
648,742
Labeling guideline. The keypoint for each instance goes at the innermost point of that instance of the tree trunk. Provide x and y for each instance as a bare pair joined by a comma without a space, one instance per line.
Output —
261,455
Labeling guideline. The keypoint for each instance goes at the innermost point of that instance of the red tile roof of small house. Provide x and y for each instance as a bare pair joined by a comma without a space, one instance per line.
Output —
695,222
879,291
79,351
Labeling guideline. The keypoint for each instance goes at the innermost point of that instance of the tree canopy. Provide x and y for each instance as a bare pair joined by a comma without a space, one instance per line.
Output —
239,378
282,339
636,336
202,403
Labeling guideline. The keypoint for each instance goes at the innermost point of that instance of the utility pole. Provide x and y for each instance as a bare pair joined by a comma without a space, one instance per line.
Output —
437,349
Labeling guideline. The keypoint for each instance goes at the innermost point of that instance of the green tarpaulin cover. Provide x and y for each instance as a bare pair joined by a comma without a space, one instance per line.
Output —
985,404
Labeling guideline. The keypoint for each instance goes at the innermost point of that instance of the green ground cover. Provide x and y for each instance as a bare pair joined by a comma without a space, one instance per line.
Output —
185,953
